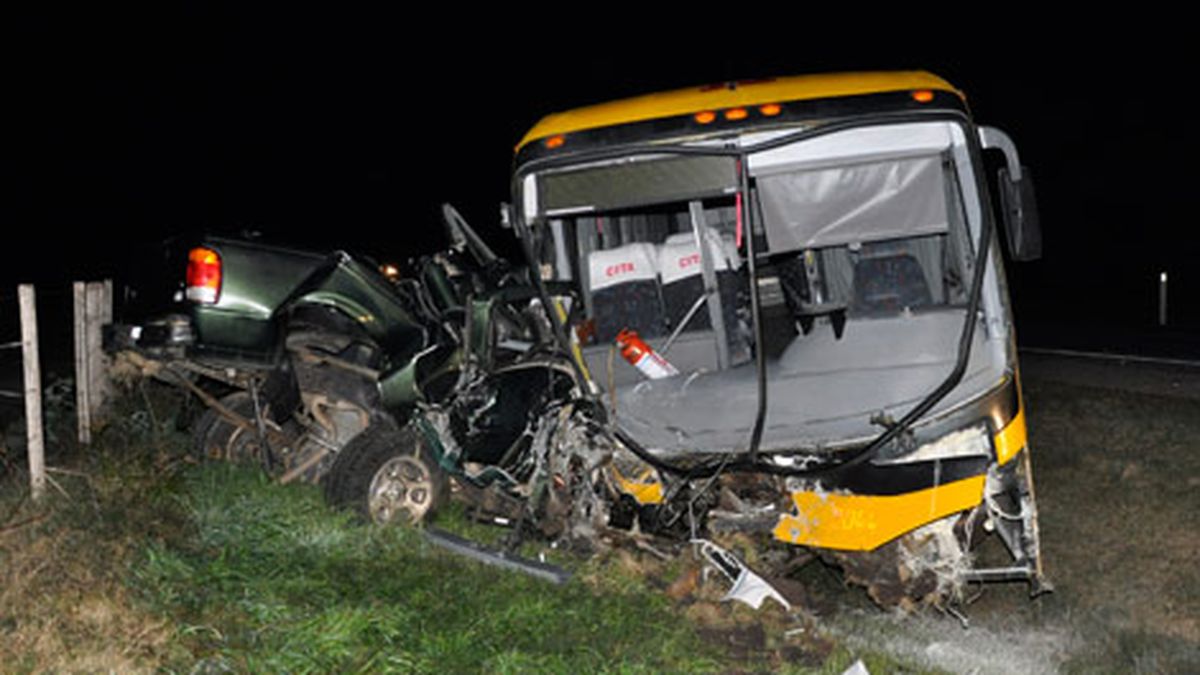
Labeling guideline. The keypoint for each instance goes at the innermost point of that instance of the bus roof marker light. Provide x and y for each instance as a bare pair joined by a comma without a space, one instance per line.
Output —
770,109
922,95
705,117
735,114
555,142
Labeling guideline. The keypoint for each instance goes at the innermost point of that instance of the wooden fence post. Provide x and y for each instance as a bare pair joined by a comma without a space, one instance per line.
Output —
93,308
33,391
97,301
82,378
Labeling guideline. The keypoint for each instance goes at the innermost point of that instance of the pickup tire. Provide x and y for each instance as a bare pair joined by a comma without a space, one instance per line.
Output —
211,429
388,475
202,433
216,438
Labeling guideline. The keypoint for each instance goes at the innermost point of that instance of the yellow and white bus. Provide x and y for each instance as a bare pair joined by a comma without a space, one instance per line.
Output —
813,262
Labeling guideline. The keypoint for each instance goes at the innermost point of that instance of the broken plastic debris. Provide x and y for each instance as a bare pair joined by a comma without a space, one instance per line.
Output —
747,587
753,590
857,668
474,550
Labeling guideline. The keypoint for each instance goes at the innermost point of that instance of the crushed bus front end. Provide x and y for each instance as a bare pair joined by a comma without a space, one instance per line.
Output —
787,298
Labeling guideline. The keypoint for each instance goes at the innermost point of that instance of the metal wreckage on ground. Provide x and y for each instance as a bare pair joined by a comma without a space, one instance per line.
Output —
775,308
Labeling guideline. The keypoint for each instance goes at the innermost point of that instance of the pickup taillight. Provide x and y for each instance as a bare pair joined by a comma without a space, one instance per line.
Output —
203,275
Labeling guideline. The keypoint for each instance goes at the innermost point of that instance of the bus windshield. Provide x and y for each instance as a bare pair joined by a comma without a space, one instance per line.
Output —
858,235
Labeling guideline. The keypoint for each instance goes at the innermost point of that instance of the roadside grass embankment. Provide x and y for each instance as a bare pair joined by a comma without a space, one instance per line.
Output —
140,560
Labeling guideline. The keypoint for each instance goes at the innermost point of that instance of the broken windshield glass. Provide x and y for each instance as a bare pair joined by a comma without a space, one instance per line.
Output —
863,230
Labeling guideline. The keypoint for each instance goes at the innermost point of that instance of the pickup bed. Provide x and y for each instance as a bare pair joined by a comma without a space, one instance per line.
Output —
238,299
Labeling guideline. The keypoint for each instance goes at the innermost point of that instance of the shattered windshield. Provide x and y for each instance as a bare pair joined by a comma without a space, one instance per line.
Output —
864,257
868,221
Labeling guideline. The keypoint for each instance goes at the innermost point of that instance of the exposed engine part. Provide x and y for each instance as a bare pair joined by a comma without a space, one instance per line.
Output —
570,489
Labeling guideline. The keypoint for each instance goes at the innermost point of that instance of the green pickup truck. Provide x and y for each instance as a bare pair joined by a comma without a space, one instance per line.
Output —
296,353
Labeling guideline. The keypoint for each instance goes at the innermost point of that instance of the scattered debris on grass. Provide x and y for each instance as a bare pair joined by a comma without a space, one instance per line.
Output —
141,561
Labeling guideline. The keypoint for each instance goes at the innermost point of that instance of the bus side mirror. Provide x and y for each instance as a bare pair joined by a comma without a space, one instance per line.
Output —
1018,207
506,216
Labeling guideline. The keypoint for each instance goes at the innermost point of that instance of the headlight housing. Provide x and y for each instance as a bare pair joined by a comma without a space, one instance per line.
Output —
973,441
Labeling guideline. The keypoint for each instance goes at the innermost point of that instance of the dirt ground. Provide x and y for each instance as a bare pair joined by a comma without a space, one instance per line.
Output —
1116,454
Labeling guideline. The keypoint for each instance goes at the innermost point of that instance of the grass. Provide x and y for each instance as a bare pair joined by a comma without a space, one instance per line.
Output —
139,561
1119,494
65,601
271,580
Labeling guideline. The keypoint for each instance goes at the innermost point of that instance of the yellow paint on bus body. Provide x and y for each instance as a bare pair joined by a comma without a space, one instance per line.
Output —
852,522
1011,438
752,93
645,489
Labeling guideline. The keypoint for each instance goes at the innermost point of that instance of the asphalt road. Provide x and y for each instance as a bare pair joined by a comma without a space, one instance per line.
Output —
1144,375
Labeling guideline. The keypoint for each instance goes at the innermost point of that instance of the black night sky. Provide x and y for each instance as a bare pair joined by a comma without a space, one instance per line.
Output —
341,130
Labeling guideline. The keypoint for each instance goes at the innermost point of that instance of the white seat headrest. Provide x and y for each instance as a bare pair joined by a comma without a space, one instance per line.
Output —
621,265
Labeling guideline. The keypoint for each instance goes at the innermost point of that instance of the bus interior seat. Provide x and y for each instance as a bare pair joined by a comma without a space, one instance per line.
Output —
681,271
890,283
625,291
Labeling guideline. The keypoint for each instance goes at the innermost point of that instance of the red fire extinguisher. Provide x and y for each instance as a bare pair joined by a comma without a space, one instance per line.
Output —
643,357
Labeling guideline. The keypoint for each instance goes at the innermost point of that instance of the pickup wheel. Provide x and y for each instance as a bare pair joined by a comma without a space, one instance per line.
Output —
388,475
202,433
211,429
216,438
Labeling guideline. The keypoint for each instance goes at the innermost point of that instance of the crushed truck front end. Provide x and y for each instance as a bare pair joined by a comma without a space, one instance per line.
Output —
814,264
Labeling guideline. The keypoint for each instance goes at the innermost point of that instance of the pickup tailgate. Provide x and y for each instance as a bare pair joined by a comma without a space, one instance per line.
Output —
254,281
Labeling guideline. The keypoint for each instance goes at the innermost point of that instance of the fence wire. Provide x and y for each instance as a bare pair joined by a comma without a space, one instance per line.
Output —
4,393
